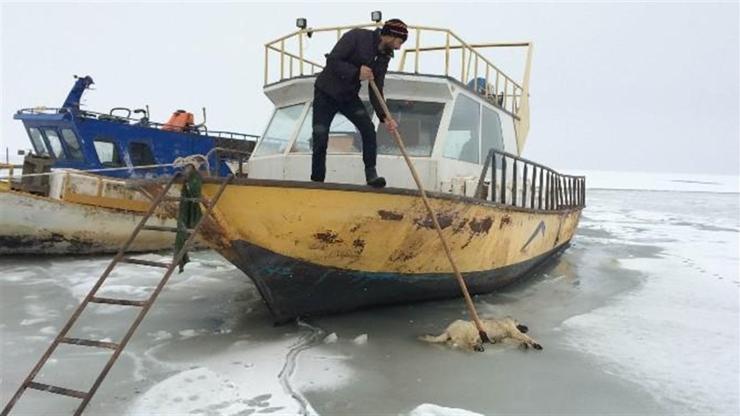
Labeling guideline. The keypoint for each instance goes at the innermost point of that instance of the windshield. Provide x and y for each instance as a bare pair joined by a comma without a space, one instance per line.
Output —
38,142
55,143
463,135
281,128
343,135
418,122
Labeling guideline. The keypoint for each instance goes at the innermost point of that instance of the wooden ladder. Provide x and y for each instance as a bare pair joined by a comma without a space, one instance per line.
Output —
145,305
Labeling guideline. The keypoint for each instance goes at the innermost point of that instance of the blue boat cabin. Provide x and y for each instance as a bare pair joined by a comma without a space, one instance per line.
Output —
125,146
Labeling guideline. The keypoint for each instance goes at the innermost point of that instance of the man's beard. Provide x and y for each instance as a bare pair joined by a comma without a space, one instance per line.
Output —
386,49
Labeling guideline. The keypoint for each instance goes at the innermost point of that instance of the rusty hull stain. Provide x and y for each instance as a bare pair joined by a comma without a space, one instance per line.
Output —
505,220
401,256
408,252
328,237
459,227
444,220
478,227
42,243
481,226
390,215
359,245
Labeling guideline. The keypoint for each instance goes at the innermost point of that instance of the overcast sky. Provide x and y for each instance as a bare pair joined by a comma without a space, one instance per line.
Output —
632,86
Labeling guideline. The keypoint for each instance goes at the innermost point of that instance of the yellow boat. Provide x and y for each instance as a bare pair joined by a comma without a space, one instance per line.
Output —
330,247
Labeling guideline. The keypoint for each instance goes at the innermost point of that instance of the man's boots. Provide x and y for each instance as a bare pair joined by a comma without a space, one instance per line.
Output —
316,178
373,179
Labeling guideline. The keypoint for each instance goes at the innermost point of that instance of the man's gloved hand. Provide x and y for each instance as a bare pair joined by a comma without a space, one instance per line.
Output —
366,73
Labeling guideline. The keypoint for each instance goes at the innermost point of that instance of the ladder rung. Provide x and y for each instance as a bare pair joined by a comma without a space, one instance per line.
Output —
145,262
111,301
89,343
180,199
164,228
57,390
159,228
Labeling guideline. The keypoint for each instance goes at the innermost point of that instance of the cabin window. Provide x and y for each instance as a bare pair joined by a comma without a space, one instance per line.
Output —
303,142
343,135
492,136
279,131
55,143
38,142
463,135
141,154
73,144
418,123
108,153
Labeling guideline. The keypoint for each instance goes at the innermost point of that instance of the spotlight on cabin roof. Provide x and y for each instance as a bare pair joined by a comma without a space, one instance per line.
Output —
301,22
376,16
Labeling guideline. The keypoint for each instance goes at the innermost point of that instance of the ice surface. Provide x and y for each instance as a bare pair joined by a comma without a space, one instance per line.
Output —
234,382
652,181
638,316
160,335
434,410
360,339
331,338
678,333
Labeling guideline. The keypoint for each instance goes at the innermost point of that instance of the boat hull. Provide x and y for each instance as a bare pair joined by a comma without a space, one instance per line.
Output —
317,249
31,224
293,288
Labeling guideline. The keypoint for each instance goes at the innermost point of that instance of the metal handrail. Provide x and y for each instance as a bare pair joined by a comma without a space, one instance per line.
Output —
202,131
227,134
497,87
500,87
536,187
41,110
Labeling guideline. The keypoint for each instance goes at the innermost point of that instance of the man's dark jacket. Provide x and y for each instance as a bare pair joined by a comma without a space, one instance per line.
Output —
340,78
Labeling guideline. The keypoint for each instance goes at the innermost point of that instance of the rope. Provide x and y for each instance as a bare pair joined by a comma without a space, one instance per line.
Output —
196,160
30,175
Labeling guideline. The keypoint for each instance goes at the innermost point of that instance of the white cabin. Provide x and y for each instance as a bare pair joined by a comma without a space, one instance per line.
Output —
447,126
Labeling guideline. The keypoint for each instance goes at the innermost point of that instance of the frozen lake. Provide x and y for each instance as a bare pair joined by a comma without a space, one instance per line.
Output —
638,316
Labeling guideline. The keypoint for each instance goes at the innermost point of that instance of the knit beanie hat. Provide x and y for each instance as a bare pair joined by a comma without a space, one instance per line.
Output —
395,28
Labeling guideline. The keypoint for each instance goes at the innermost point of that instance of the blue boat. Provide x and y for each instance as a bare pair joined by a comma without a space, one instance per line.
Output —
125,143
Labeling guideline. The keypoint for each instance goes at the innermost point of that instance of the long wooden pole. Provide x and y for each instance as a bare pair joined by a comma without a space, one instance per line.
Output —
430,210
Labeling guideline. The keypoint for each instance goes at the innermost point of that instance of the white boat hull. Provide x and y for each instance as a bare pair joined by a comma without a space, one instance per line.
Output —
32,224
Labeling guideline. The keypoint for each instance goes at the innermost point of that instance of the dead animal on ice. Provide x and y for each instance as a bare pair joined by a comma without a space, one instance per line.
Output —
464,334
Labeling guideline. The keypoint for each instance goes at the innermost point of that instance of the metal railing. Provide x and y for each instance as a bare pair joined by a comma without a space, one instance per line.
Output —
200,130
7,175
297,63
488,80
522,183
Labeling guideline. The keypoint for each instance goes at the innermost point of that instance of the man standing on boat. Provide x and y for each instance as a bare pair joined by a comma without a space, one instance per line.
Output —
359,55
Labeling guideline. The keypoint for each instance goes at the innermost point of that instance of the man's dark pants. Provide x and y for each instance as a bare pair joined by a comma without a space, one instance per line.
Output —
324,110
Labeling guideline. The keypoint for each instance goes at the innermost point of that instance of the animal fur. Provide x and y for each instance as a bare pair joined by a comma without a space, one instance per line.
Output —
464,334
